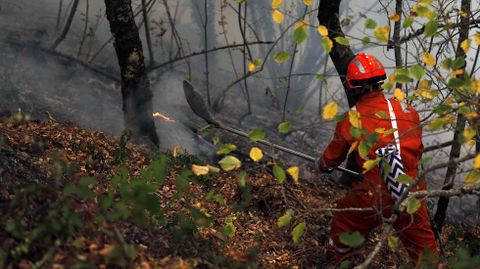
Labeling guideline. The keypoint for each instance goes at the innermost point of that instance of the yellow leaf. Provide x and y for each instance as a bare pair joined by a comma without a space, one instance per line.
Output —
465,45
322,30
330,110
469,133
463,13
352,147
471,115
176,150
327,44
394,17
294,171
456,73
213,169
424,84
391,78
476,38
277,16
256,154
251,67
229,163
380,130
476,85
398,93
199,170
428,59
276,3
307,2
370,164
476,162
381,32
354,118
472,177
299,24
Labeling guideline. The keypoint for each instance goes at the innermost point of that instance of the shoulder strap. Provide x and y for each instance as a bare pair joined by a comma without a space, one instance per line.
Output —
393,120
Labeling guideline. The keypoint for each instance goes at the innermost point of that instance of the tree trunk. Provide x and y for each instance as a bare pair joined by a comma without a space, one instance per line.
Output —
136,92
329,16
442,206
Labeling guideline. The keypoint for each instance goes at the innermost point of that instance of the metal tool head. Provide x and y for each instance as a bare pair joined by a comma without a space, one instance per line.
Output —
197,104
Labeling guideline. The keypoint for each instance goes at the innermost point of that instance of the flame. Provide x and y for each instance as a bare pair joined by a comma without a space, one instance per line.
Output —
163,117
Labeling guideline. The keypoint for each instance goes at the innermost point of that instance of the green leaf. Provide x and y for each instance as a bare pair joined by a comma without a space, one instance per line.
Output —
279,173
408,22
181,181
382,115
357,132
370,23
405,179
354,239
370,164
281,56
206,128
436,124
447,63
285,219
257,62
342,40
458,63
240,1
284,127
256,134
387,85
430,28
229,163
85,181
242,179
402,78
393,242
417,71
372,138
321,77
226,148
386,167
455,82
344,265
298,231
300,35
425,160
229,229
215,140
366,40
413,204
364,149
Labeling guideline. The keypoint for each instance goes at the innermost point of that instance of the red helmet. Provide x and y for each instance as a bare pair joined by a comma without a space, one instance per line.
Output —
364,69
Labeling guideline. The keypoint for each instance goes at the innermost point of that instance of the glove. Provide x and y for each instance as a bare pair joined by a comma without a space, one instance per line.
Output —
322,166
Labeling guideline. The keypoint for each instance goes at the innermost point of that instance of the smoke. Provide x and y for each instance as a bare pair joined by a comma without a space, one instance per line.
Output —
44,82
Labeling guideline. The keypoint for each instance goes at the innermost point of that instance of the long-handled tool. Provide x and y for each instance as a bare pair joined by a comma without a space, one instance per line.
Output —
200,109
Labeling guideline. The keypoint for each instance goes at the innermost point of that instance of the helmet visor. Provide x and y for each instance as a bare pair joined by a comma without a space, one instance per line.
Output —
362,83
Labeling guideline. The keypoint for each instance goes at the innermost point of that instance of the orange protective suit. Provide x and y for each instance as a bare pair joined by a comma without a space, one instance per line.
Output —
414,230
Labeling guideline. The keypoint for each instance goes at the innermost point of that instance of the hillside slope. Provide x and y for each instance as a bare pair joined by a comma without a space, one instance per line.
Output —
70,198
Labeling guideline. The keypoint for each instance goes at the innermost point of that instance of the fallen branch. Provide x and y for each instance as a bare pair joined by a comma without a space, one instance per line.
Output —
89,66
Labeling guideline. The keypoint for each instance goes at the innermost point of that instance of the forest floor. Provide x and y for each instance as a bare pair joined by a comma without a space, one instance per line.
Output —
205,222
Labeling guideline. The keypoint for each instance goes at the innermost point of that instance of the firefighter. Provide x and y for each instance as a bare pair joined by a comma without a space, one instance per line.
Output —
397,124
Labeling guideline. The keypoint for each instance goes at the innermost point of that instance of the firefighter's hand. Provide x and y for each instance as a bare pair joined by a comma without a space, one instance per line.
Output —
322,167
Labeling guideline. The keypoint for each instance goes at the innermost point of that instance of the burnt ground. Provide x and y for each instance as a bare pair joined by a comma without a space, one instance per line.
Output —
52,154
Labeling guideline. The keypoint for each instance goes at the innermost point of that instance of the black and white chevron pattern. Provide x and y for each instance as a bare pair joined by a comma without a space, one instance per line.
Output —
390,155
